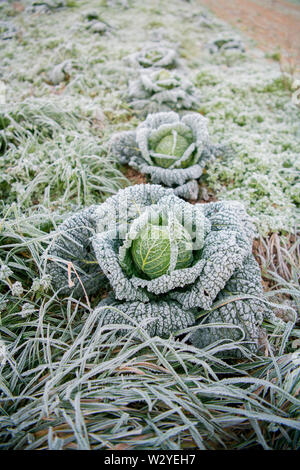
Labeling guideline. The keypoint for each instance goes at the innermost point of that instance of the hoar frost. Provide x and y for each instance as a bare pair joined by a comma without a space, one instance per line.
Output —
196,260
161,90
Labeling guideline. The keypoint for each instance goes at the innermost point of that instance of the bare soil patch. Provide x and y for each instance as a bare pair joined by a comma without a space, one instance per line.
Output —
274,24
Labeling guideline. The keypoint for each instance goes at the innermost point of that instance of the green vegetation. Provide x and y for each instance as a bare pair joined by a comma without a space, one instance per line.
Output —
67,379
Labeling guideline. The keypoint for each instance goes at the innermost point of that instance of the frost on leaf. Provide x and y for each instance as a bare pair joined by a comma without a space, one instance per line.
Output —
224,42
170,149
7,30
167,262
117,3
70,259
157,318
45,6
60,72
154,56
240,304
32,116
161,90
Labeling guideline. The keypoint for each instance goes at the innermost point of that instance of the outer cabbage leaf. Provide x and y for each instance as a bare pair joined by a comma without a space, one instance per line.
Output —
225,42
71,250
157,318
247,312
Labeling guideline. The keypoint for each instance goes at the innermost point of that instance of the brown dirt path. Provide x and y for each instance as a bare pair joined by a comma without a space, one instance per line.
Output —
274,24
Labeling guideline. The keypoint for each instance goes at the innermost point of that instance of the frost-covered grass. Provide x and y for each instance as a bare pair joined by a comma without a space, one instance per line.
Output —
66,382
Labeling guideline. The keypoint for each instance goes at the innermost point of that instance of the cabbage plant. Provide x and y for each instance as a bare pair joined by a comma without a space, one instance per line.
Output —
161,90
225,42
118,3
60,72
7,30
170,149
94,22
170,265
154,56
32,116
45,6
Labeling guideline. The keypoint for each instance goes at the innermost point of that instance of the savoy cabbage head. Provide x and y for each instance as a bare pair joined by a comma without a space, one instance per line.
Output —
45,6
168,262
161,90
154,56
170,149
224,42
7,30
